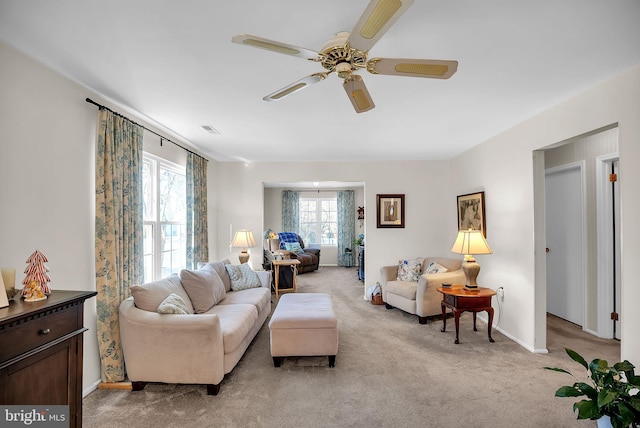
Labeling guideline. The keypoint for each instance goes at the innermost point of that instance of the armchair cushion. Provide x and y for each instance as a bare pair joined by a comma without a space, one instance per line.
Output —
410,270
435,267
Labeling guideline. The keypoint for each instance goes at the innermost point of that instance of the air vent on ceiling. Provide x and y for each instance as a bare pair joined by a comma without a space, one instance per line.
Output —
211,129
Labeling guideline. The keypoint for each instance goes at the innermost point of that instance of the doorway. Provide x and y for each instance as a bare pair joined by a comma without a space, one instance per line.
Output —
594,150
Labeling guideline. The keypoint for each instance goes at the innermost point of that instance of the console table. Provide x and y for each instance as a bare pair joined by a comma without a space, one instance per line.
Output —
459,299
41,352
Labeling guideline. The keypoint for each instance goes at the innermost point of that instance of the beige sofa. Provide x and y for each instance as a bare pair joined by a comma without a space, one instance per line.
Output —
420,298
191,348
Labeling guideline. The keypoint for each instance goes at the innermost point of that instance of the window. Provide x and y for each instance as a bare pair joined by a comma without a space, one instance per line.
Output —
165,217
319,219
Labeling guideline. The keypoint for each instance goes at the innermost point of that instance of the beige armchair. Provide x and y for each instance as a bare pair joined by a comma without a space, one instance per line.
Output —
419,298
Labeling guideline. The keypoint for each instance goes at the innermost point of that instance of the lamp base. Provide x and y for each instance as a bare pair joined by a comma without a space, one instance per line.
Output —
471,270
243,257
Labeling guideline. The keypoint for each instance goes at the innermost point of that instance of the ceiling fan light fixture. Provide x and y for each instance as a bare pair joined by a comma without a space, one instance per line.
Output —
344,70
381,14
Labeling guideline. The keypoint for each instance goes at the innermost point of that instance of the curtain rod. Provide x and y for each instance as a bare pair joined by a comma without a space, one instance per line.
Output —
101,107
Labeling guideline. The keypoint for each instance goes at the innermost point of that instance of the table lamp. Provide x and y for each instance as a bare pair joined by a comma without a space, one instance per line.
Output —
469,242
243,239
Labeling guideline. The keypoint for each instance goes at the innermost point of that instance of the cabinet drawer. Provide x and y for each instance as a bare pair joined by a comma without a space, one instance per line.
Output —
451,300
30,334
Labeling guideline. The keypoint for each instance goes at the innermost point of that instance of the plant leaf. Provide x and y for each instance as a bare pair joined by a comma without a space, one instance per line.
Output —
576,357
606,396
556,369
587,390
568,391
587,409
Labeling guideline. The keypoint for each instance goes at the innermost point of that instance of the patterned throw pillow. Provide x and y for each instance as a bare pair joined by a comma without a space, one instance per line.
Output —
242,277
173,304
435,267
294,247
409,270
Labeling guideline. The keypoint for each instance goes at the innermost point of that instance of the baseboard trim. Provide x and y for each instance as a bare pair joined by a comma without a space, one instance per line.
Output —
90,389
115,385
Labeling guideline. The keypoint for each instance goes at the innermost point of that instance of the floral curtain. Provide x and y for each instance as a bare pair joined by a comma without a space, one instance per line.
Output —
346,226
290,211
197,226
119,244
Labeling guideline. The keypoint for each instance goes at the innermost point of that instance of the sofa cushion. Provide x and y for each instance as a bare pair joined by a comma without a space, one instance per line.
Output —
406,289
410,270
259,297
435,267
220,270
204,287
149,296
173,304
242,277
235,322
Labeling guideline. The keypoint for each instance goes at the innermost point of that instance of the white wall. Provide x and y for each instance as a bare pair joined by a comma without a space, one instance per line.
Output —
503,167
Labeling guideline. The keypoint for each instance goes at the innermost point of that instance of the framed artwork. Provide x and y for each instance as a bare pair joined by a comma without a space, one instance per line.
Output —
390,211
471,212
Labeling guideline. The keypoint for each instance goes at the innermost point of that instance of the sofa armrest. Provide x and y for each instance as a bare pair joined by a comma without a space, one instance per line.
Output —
387,273
171,348
427,292
265,278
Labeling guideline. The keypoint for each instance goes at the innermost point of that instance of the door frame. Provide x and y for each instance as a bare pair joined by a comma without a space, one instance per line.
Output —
580,166
604,219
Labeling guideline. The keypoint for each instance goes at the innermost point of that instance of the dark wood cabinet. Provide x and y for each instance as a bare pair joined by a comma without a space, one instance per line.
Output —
41,352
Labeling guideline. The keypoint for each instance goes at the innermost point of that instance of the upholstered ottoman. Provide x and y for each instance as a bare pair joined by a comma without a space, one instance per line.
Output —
304,324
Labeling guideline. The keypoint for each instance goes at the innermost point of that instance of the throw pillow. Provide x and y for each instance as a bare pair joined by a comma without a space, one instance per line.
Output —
149,296
435,267
409,270
220,270
294,247
173,304
204,287
242,277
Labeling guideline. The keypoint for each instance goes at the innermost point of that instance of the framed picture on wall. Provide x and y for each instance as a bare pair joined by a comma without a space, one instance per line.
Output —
471,212
390,211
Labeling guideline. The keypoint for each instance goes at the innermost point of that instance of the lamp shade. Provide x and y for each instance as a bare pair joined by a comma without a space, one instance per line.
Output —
243,239
470,242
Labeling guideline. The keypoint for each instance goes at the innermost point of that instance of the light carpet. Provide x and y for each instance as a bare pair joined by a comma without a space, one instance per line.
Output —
390,372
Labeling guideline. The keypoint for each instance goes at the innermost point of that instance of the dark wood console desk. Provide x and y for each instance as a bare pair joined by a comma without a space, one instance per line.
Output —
459,300
41,352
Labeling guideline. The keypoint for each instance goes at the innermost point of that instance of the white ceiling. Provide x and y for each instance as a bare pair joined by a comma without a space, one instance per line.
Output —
173,63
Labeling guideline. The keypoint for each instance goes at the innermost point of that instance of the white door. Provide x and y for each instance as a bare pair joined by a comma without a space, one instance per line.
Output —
565,246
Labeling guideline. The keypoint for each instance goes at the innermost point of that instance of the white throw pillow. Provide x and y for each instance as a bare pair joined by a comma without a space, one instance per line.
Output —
173,304
435,267
409,270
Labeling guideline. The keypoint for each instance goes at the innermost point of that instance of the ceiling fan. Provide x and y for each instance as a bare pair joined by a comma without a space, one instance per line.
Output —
347,52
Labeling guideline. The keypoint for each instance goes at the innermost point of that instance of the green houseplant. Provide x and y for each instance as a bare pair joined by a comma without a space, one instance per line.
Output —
614,391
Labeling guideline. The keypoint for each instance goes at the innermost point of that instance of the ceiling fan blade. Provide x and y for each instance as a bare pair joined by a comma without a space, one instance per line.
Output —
271,45
295,86
358,94
433,68
377,18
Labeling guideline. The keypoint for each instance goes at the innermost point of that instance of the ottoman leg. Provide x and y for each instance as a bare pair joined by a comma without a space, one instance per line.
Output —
277,361
332,360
